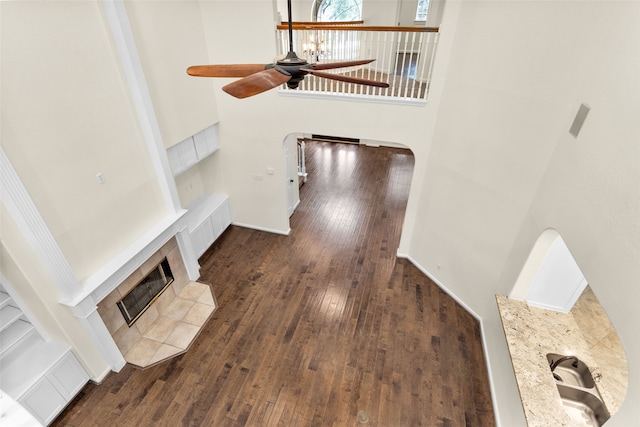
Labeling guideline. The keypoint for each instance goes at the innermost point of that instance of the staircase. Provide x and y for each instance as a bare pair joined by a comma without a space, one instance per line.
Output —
40,374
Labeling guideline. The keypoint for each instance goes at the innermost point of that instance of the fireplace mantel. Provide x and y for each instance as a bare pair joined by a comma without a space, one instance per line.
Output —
84,304
170,324
100,284
213,212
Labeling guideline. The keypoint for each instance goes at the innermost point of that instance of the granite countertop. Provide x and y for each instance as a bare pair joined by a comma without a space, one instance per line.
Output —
531,334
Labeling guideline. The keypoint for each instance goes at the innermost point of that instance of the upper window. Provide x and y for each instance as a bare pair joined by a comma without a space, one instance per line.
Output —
421,10
339,10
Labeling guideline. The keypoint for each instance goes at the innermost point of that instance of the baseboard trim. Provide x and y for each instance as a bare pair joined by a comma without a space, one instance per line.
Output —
100,378
440,285
268,230
474,314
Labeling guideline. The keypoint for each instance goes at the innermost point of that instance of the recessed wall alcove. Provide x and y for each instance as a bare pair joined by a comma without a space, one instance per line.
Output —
570,321
169,326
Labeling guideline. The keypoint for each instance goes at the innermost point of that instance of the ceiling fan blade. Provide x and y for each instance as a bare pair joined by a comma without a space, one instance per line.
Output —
257,83
347,79
228,70
331,65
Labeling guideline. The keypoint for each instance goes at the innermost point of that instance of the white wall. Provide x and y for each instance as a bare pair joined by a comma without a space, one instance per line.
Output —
252,130
66,116
494,167
503,166
380,12
169,36
35,287
300,9
407,12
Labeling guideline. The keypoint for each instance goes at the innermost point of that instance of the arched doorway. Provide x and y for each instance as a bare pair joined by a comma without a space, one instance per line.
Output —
551,277
553,309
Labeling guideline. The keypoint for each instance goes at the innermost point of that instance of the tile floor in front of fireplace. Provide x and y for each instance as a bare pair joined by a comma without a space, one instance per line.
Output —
173,330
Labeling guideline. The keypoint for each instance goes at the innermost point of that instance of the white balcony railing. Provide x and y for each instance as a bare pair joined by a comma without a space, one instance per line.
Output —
403,58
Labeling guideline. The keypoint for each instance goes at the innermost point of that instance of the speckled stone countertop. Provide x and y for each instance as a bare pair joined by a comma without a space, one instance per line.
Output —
531,334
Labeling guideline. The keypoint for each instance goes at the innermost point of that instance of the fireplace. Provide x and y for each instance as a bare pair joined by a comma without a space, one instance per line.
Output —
168,309
140,298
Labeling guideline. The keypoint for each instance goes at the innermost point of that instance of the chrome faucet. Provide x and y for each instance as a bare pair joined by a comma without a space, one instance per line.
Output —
555,363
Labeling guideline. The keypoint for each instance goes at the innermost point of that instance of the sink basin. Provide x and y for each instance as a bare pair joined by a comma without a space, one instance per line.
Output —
578,391
571,371
583,407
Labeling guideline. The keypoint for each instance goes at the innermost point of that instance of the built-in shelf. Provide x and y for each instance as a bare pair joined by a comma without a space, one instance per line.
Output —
40,374
208,216
192,150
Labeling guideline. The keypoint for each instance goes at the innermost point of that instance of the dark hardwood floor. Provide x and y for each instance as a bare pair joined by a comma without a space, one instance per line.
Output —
324,327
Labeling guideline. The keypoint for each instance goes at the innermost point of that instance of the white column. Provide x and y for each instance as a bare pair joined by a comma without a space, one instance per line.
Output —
127,52
26,215
24,212
87,313
188,255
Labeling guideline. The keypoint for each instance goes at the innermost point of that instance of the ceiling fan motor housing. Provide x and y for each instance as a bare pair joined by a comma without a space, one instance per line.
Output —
295,67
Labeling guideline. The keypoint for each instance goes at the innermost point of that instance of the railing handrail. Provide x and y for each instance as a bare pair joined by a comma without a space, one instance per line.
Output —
332,23
319,26
403,59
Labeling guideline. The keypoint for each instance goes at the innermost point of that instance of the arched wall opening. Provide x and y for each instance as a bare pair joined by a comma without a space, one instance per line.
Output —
293,149
552,309
551,277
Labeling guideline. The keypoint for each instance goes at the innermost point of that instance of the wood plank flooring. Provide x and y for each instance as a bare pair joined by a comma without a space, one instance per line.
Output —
324,327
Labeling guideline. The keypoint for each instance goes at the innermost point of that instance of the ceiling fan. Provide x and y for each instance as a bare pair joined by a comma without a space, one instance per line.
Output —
258,78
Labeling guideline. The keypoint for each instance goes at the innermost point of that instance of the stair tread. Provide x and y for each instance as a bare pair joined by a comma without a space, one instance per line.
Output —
4,298
13,334
8,315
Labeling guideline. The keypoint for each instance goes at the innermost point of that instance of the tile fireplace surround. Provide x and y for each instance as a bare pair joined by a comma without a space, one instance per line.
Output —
170,324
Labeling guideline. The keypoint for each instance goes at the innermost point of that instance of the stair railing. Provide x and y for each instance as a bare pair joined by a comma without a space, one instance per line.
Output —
403,56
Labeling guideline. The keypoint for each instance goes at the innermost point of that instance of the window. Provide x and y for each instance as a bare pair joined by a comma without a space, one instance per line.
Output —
421,10
339,10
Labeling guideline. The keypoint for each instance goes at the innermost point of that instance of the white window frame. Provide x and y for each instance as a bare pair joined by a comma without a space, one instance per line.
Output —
426,11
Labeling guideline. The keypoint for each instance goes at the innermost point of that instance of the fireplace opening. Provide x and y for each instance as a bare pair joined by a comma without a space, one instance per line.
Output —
140,298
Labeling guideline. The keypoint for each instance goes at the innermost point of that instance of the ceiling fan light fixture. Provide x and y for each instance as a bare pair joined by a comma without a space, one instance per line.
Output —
258,78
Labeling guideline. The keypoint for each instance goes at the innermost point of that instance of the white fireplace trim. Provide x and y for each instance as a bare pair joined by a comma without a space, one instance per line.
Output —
101,337
82,297
95,288
106,279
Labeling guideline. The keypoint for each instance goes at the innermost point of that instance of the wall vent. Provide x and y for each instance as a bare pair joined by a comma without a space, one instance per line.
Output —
581,115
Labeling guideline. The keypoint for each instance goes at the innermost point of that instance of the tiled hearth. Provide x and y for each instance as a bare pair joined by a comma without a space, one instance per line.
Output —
170,324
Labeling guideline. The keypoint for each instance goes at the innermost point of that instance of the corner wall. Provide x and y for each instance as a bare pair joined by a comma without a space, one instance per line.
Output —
31,280
503,167
252,129
66,117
